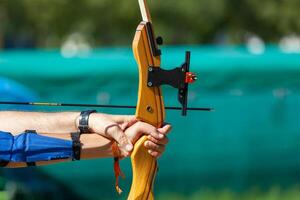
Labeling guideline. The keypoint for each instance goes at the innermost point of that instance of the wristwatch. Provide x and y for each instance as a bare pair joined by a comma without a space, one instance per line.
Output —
84,121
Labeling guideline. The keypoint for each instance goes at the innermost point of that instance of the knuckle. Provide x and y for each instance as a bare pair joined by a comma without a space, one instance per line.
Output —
156,147
155,134
154,140
122,139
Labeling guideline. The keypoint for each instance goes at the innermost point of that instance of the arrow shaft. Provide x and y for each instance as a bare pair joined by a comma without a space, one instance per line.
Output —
90,105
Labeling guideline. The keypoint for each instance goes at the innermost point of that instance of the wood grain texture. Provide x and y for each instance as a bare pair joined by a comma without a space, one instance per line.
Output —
150,109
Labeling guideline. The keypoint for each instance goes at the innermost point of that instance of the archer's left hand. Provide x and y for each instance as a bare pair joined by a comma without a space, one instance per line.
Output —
156,137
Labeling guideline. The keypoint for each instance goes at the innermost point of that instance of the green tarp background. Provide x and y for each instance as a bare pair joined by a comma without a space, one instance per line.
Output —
251,140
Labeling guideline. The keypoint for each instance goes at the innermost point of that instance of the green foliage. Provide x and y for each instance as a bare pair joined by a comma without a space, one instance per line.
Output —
270,19
112,22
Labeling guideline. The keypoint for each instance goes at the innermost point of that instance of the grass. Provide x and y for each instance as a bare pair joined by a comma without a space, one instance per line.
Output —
274,193
3,195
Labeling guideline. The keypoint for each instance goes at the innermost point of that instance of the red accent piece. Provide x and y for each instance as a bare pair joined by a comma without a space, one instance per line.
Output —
190,77
117,169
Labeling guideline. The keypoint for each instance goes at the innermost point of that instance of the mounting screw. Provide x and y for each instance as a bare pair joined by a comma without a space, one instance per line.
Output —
150,69
150,84
149,109
159,40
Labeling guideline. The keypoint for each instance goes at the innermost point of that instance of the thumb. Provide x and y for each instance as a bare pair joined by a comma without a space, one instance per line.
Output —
116,132
124,121
128,123
123,118
165,129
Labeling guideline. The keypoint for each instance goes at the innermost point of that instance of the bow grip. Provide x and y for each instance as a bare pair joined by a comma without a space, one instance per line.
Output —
144,168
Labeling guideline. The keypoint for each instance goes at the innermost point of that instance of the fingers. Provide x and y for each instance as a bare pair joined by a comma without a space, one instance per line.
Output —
154,153
140,128
119,136
125,121
162,141
157,141
153,131
154,147
158,136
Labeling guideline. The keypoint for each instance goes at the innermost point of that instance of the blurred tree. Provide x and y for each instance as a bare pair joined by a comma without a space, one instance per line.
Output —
270,19
47,23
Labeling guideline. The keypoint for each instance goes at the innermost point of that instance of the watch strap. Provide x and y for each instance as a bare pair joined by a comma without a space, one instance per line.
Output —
75,136
84,121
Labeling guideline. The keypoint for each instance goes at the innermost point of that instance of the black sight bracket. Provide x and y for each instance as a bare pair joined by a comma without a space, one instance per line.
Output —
179,77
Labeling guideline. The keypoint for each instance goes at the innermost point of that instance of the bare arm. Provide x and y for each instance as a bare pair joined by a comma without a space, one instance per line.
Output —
94,145
17,122
67,122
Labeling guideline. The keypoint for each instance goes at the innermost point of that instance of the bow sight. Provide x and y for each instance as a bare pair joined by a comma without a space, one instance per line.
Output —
179,77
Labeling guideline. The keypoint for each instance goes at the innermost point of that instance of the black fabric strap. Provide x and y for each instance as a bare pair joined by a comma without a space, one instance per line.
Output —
31,131
84,121
31,164
76,145
3,163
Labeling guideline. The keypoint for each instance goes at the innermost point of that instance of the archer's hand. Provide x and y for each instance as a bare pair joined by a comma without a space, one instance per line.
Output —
156,138
113,127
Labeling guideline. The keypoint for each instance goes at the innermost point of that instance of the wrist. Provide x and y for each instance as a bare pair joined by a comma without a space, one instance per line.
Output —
84,121
93,121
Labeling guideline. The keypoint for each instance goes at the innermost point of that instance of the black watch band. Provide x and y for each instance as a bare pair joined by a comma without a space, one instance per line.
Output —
84,121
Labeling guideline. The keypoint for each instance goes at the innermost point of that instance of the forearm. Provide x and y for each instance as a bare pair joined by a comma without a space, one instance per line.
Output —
54,125
17,122
93,146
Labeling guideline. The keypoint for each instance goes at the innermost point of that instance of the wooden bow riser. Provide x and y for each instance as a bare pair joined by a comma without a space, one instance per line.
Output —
150,109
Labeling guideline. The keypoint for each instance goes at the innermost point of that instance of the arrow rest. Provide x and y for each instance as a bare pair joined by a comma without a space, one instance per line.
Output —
179,78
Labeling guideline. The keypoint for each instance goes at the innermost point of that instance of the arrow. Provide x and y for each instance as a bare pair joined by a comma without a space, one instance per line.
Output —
92,105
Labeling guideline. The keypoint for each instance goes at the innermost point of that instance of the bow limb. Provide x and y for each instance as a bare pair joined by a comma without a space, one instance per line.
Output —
150,108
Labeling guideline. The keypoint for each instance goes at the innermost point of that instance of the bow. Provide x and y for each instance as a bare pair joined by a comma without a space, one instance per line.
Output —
150,105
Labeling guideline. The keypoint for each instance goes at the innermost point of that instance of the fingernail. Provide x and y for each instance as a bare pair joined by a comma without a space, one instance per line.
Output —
129,147
161,135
